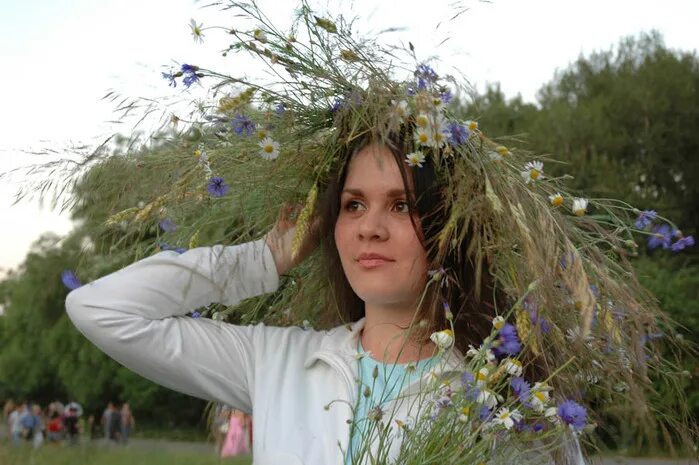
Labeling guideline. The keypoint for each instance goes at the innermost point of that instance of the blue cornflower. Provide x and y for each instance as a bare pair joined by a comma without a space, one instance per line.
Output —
521,388
70,280
165,246
217,187
538,427
425,76
170,77
196,314
189,79
468,383
467,379
458,133
573,414
337,105
446,96
566,259
485,413
532,307
595,290
682,243
649,337
509,341
190,74
168,225
645,218
280,109
242,124
662,236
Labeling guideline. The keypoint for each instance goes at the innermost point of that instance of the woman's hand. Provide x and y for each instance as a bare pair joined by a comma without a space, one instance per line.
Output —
280,238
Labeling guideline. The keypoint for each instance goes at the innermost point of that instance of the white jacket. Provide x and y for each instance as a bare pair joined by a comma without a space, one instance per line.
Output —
300,385
285,377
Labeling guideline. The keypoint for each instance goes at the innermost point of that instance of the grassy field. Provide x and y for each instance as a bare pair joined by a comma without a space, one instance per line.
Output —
90,455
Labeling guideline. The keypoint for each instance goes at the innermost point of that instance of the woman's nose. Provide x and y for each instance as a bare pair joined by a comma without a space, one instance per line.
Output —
372,226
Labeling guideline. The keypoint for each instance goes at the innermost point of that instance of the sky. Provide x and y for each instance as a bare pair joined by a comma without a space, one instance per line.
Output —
61,57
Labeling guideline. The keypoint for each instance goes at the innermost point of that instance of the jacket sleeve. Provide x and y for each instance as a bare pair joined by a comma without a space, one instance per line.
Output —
137,316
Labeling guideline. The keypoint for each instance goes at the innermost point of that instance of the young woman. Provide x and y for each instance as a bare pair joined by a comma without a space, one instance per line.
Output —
285,377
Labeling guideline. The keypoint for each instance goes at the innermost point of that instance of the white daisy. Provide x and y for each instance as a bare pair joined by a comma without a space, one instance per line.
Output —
260,35
512,366
482,353
422,121
540,396
443,339
482,376
503,151
507,418
440,134
488,398
533,171
579,206
196,31
423,136
269,148
551,414
471,125
416,158
437,103
556,199
401,110
498,322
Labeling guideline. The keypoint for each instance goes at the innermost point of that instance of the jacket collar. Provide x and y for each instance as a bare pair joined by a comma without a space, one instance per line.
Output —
342,342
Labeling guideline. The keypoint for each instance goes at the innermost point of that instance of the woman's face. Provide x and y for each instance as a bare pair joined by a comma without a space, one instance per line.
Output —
381,254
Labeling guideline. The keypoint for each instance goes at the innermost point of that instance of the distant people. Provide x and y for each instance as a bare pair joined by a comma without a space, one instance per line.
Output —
115,424
39,426
219,425
70,423
7,410
128,422
236,441
16,424
54,427
28,422
106,417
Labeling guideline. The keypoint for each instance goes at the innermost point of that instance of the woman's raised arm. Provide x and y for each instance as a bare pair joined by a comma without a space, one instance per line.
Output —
137,316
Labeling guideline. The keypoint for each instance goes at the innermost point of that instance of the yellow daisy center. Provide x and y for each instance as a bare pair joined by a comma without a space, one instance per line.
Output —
473,125
422,121
534,174
557,201
540,395
268,148
422,137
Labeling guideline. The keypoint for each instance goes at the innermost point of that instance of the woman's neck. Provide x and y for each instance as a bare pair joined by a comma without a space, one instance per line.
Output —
389,334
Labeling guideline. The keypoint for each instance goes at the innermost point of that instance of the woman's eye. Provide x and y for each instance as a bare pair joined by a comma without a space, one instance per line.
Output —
402,207
352,206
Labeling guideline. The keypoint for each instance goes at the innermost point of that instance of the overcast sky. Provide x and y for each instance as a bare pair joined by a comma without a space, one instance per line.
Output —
61,57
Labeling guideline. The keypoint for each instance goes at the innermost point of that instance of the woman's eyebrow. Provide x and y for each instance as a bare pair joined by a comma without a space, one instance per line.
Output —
390,193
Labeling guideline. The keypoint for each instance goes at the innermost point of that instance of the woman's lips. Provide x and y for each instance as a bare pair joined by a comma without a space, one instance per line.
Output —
369,261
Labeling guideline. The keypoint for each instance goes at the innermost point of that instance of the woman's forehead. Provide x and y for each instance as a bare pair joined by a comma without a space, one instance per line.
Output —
374,166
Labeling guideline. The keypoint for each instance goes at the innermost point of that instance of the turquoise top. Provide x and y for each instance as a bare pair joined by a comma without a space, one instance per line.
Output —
391,379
